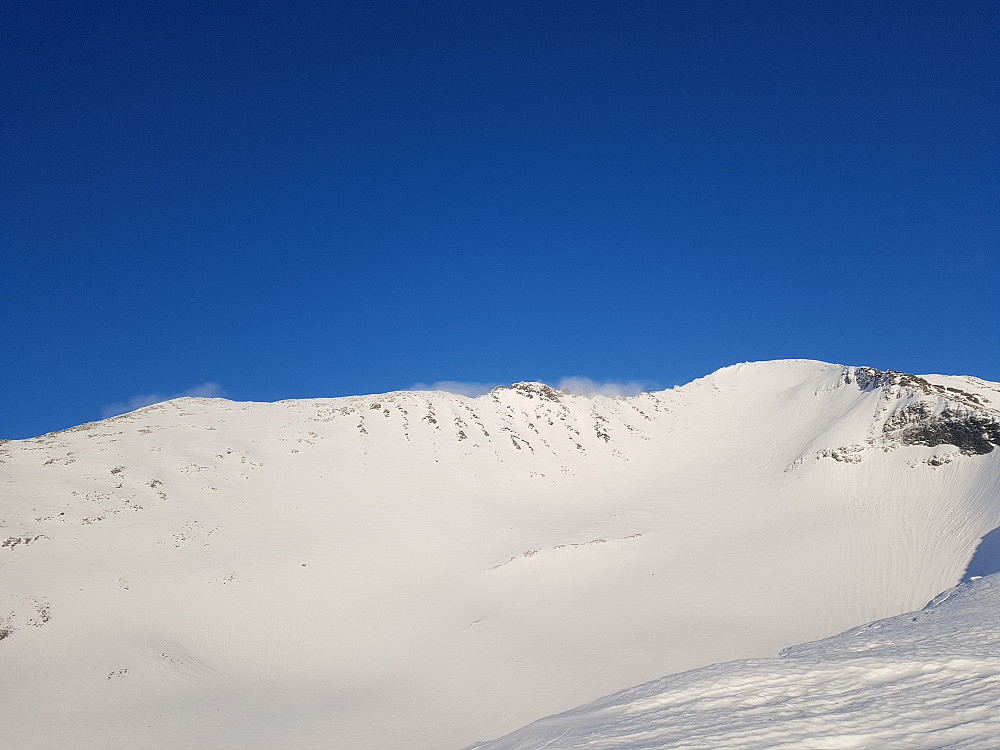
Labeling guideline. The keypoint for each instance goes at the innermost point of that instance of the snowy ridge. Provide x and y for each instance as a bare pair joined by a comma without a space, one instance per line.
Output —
426,570
925,680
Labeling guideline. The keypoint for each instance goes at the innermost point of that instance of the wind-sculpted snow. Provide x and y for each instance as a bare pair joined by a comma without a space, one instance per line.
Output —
425,570
922,681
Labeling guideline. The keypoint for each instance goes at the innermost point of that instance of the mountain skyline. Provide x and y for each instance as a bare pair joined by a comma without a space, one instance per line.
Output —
574,385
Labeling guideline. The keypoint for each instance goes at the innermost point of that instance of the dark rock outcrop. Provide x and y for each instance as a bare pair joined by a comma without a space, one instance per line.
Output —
971,432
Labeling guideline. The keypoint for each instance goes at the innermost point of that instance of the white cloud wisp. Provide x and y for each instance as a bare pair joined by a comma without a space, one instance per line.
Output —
575,384
588,387
207,390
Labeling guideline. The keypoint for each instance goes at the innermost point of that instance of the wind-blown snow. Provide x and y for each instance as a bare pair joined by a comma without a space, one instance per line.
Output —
425,570
921,681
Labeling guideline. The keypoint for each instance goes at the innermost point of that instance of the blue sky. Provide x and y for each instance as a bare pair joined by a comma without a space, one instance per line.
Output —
278,200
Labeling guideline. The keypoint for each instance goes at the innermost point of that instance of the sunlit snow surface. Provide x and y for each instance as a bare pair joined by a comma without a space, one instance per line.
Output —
422,571
925,680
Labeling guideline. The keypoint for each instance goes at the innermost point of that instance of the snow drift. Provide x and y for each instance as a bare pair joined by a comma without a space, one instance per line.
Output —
922,681
425,570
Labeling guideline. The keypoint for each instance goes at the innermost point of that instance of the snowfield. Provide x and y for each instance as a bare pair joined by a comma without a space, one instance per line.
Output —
423,570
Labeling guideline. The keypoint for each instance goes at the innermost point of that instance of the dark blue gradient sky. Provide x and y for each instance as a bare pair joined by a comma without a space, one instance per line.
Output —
315,199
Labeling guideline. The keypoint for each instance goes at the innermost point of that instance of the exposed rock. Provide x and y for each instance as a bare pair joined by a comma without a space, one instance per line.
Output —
936,415
868,378
971,432
539,390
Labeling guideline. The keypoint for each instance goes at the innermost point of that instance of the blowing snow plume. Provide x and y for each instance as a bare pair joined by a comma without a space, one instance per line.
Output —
205,390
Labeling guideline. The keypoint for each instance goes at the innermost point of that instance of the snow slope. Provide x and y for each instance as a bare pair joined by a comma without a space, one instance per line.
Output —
424,570
921,681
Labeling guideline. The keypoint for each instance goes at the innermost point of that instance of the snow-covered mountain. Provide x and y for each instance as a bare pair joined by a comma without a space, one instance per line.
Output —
425,570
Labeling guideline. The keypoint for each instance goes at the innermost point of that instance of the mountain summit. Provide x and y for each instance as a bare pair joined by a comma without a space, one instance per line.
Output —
426,570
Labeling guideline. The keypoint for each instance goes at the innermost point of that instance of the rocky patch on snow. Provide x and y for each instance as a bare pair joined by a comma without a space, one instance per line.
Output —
919,412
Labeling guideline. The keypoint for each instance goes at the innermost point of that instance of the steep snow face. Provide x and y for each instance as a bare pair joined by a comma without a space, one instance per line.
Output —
423,570
928,679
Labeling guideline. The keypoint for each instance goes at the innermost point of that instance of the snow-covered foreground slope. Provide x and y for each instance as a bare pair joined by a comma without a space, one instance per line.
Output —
424,570
922,681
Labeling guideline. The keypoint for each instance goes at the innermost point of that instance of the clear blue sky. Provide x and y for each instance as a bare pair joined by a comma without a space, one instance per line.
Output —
296,199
